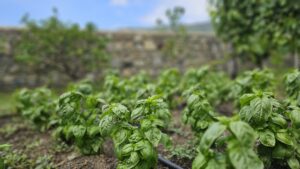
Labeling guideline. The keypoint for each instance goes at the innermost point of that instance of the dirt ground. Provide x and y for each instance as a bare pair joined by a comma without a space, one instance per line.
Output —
15,131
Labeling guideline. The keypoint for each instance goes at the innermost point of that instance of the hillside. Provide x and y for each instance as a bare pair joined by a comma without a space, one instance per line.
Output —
196,27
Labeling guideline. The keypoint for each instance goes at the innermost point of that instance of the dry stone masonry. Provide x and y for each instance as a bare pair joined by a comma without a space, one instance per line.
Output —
130,52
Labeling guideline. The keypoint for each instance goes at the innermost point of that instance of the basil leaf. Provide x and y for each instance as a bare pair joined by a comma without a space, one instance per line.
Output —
120,110
199,161
244,133
136,113
279,120
106,124
295,117
93,131
154,135
293,163
267,138
282,151
216,164
133,160
246,99
78,131
135,137
148,151
210,135
120,136
285,138
242,157
126,150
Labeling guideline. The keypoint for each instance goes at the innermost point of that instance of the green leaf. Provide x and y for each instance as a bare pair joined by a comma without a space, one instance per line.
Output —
246,98
120,110
2,165
133,160
78,131
192,99
285,138
148,151
146,124
93,131
154,135
199,161
120,136
295,117
293,163
282,151
140,145
279,120
243,132
210,135
106,125
136,113
126,150
246,113
262,110
202,124
5,147
96,145
135,136
216,164
68,132
166,141
267,138
242,157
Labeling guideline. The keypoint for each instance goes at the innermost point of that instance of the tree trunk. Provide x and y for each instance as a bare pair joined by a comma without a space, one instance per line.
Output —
233,65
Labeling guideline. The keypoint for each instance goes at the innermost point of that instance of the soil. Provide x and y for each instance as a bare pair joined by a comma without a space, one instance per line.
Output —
23,138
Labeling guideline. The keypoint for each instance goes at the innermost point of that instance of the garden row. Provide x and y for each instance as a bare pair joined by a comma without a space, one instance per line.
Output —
262,131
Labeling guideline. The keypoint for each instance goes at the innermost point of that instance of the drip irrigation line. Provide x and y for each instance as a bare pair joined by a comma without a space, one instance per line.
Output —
168,163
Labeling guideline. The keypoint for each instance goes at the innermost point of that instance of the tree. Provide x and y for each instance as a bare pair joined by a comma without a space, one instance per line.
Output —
282,21
257,29
51,44
176,45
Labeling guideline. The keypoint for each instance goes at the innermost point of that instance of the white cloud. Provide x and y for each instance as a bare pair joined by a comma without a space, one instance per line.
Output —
195,11
119,2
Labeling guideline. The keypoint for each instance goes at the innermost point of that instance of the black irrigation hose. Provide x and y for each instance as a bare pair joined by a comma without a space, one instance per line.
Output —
168,163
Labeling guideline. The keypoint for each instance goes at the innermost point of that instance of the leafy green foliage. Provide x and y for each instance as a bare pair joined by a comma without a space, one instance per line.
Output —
257,108
77,115
250,81
10,158
134,114
228,145
198,112
37,106
278,139
136,134
292,85
257,29
61,46
214,84
167,85
126,91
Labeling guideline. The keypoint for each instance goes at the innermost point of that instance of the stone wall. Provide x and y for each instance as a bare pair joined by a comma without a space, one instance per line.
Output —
130,52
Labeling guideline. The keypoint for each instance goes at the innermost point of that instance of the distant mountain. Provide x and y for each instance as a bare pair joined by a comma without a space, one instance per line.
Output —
200,27
196,27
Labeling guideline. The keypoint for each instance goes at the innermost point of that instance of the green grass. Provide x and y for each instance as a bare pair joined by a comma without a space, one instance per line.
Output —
7,103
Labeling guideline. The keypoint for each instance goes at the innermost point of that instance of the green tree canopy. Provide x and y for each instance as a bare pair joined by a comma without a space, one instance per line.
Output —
257,29
53,44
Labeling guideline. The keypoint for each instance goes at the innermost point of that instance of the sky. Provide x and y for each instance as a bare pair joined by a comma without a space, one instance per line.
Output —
106,14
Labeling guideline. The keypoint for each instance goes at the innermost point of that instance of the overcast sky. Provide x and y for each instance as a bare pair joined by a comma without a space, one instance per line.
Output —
106,14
